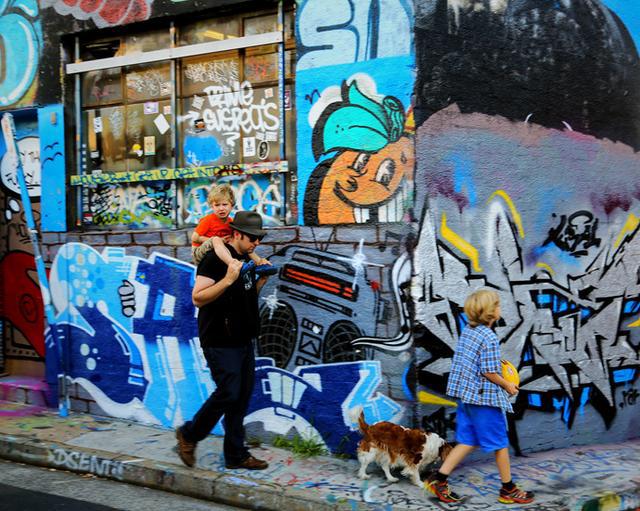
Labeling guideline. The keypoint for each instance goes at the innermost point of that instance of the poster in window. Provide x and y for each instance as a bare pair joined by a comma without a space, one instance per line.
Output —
152,137
162,124
248,146
150,146
150,107
103,138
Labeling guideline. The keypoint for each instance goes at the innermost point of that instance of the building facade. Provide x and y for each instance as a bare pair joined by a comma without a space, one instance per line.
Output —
403,153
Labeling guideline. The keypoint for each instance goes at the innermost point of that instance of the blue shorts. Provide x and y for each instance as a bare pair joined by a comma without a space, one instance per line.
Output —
483,426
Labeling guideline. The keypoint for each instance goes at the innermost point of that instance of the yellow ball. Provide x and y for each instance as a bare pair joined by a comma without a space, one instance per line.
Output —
510,373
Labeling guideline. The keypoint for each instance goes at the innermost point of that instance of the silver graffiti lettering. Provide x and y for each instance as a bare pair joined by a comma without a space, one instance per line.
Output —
85,462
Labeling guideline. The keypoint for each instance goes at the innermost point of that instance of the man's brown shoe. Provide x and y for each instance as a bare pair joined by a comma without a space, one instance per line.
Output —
250,463
186,450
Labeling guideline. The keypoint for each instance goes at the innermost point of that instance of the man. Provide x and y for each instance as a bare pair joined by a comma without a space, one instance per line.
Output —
227,324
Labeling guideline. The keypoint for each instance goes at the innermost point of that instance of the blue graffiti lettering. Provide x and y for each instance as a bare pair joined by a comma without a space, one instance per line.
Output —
20,45
353,31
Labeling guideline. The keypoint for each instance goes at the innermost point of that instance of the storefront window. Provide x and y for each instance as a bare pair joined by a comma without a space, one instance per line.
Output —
210,30
218,109
102,87
104,139
136,133
148,82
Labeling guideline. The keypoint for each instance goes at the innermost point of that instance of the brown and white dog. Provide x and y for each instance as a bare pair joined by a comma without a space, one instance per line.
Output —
393,446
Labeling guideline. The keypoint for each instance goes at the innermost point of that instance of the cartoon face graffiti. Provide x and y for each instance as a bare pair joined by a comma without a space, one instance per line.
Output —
369,180
29,149
360,187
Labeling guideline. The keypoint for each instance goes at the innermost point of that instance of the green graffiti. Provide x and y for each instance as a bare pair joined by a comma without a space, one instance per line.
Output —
358,123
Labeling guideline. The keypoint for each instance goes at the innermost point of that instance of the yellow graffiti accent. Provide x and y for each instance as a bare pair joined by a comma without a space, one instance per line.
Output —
634,324
410,123
545,266
629,226
460,243
432,399
512,208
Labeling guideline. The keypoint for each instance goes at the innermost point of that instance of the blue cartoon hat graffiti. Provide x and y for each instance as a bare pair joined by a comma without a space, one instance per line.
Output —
358,123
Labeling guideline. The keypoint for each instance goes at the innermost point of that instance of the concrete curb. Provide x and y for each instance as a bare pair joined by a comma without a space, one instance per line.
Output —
203,484
242,491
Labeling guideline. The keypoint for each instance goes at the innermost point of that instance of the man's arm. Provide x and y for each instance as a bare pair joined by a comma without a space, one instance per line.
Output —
207,290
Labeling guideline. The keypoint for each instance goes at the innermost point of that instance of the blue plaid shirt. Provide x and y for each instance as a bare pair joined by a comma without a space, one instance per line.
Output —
477,352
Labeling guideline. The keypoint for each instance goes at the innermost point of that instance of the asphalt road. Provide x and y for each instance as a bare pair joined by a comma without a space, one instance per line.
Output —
30,488
19,499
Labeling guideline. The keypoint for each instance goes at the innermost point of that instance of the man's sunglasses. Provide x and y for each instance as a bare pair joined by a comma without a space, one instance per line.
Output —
253,238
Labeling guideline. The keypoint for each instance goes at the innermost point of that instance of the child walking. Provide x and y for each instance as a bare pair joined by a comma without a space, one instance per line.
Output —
214,230
476,381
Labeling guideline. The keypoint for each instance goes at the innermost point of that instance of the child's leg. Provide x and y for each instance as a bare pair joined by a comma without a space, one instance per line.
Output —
465,436
437,483
504,464
510,493
457,454
198,253
217,245
221,250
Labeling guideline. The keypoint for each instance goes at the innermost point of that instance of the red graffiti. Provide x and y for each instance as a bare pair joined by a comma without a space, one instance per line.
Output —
21,300
113,12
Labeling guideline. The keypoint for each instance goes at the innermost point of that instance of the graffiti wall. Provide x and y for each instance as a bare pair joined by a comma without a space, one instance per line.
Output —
226,118
528,185
261,193
132,345
140,205
440,146
103,14
21,310
354,122
21,39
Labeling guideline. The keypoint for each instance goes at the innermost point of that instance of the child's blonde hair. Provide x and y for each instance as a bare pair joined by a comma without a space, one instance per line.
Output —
480,307
223,192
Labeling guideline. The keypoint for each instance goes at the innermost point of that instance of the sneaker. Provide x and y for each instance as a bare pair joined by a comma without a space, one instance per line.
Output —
515,496
441,490
186,450
246,267
249,463
266,269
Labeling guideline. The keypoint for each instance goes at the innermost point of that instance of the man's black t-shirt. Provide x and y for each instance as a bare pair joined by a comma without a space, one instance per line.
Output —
232,319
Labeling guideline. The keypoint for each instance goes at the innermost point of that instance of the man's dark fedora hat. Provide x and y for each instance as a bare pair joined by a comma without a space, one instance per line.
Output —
248,222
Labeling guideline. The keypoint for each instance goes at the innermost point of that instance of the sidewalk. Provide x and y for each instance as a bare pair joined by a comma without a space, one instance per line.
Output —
604,478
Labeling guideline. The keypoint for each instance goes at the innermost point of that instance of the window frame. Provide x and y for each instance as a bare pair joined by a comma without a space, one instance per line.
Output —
283,42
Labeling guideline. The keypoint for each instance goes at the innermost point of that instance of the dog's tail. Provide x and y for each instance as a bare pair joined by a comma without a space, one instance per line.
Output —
357,415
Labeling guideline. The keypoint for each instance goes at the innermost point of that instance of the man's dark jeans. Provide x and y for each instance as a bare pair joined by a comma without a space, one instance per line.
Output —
233,371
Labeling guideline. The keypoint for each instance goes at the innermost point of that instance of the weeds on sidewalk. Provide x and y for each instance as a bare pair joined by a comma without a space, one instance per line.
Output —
302,447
